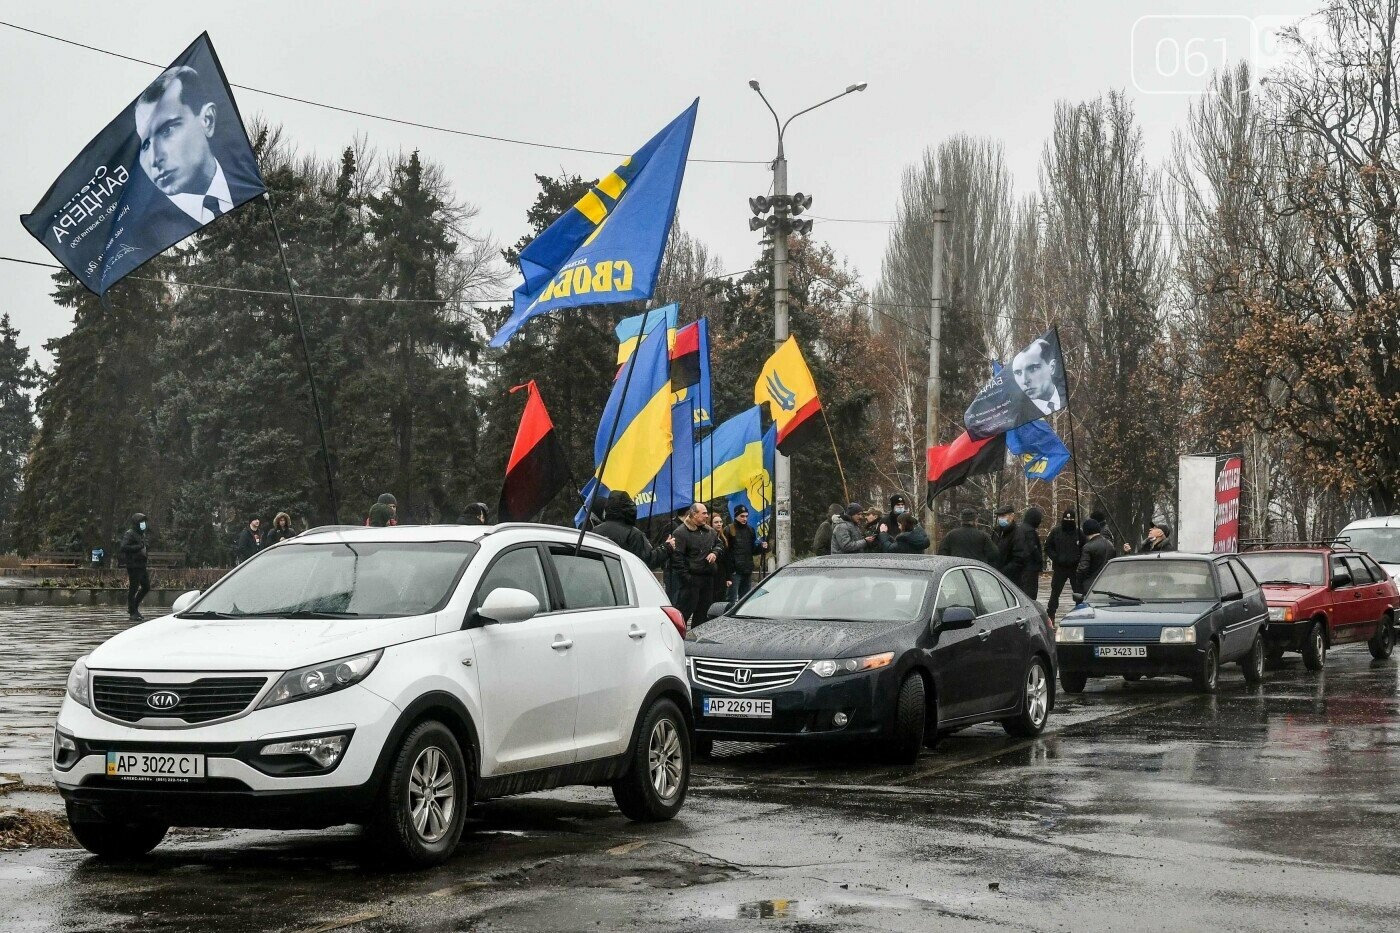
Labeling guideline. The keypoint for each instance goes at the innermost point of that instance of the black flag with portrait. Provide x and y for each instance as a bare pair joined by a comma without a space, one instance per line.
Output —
177,158
1036,387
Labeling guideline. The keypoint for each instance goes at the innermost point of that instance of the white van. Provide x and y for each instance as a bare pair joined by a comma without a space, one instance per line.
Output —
1379,537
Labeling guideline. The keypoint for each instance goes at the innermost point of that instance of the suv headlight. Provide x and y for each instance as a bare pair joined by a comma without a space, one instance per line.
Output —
831,667
78,682
1185,635
321,678
1280,613
1070,633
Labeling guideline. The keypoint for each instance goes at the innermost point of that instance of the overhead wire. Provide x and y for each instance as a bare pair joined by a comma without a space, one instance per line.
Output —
514,141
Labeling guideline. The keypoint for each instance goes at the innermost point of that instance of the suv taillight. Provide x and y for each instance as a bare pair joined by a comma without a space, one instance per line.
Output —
676,618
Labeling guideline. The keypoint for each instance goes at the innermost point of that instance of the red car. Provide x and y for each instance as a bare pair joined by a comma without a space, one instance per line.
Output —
1322,596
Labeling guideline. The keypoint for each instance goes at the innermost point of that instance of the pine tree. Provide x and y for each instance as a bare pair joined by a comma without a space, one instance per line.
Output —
17,378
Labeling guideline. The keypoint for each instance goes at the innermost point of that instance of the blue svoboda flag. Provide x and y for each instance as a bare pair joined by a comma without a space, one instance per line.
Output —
607,248
758,495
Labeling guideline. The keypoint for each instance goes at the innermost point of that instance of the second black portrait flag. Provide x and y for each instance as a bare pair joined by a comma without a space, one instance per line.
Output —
537,468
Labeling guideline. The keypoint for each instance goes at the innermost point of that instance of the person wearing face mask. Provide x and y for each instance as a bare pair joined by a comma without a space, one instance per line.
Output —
138,578
1064,547
1018,547
899,505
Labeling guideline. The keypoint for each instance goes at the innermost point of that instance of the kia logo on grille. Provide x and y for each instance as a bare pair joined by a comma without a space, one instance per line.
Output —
742,675
163,699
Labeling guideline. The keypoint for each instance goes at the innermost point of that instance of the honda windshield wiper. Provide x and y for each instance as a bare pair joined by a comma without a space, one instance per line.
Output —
1119,598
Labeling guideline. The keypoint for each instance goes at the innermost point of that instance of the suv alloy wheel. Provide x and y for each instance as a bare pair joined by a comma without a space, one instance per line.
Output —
421,808
658,773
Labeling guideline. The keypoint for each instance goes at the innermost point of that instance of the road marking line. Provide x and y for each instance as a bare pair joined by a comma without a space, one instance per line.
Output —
344,922
628,847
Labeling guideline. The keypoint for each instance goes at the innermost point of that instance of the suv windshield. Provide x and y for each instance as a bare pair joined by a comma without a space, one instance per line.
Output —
341,580
1383,544
838,594
1152,581
1284,567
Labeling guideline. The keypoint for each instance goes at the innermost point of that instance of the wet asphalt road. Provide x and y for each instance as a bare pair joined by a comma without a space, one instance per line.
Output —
1264,808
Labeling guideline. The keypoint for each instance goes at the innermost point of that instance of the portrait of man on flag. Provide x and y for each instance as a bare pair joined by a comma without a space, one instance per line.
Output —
1037,387
177,158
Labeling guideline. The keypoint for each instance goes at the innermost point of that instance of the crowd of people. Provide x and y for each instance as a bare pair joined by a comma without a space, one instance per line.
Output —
704,560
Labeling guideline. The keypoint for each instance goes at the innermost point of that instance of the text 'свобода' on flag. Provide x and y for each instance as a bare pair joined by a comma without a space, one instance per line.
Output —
175,159
607,248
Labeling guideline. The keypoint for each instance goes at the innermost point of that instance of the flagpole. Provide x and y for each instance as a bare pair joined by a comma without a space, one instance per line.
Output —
845,490
612,434
306,354
1069,409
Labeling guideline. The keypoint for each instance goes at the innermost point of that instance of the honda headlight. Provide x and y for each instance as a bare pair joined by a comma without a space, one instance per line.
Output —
1185,635
1072,634
78,682
1280,613
832,667
321,678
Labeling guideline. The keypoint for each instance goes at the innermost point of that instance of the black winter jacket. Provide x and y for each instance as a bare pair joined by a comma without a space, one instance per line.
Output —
1021,556
1098,551
133,549
913,541
692,546
1064,546
970,542
743,546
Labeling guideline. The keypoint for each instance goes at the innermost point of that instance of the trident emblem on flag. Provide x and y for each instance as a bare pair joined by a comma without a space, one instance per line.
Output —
785,397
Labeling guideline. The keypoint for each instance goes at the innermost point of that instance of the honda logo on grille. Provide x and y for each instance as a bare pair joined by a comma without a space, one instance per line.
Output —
163,699
742,675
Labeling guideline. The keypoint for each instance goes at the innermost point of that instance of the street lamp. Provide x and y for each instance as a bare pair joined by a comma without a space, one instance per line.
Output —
779,225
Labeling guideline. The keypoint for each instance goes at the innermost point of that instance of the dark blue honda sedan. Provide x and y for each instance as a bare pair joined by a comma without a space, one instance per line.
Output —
1173,613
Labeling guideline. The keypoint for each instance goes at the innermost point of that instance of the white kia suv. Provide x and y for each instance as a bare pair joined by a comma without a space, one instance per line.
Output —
383,676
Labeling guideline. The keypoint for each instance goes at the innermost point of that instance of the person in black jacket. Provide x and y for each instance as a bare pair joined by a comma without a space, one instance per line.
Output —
744,546
1098,551
1159,539
1064,547
1034,563
697,552
969,541
133,555
898,506
1018,550
249,541
281,530
908,538
620,527
724,567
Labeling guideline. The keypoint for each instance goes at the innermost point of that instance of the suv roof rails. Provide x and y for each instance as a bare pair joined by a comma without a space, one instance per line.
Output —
324,528
1264,544
505,526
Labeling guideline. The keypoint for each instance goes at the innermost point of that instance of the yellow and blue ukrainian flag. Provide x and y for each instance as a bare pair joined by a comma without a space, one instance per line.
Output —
607,247
640,406
729,456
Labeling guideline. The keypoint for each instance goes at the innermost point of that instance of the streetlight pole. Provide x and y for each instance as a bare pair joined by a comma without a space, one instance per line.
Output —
935,343
782,466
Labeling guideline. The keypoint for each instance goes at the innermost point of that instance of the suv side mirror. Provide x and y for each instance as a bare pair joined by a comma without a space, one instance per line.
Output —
956,617
507,604
183,602
716,610
1232,596
1342,579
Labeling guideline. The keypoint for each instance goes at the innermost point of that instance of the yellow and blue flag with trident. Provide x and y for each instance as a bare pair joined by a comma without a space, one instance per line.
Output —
757,497
637,420
607,247
729,456
786,388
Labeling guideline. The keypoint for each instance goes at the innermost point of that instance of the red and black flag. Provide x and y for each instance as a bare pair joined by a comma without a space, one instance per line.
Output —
537,468
685,356
951,464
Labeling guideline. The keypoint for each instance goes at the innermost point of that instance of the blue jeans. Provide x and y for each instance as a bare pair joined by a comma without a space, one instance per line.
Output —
741,583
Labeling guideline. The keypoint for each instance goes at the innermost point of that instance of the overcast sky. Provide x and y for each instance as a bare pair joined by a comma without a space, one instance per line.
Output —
607,76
